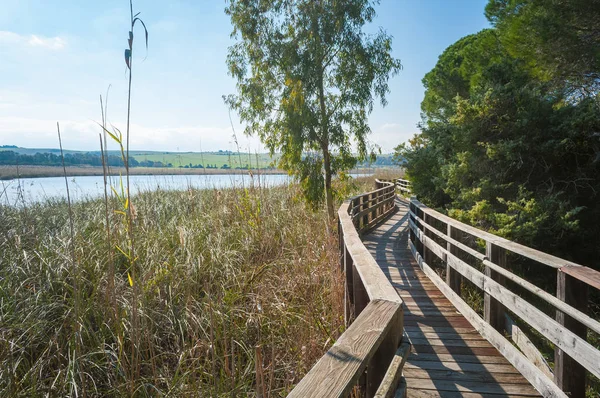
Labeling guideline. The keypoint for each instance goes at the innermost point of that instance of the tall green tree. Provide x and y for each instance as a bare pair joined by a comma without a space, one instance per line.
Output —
558,39
307,79
506,151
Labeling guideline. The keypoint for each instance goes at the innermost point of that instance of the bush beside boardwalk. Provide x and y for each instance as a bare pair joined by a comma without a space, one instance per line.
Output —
240,293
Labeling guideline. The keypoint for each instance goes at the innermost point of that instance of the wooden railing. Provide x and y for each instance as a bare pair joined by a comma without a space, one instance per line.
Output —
404,186
456,249
369,354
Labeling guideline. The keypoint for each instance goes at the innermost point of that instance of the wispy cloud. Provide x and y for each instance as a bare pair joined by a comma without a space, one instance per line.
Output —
83,135
49,43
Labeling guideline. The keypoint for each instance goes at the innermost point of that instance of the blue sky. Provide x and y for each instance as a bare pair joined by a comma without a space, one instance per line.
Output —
57,57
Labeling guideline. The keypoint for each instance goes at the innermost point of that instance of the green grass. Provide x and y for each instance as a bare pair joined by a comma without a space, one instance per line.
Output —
177,158
185,158
239,292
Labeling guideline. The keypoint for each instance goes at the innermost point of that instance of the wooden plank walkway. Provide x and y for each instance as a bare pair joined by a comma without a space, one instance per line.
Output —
449,357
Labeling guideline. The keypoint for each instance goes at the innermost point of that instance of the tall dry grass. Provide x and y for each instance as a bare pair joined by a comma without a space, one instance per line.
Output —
239,294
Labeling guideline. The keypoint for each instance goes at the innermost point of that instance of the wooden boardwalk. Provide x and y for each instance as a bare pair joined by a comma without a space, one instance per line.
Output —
449,357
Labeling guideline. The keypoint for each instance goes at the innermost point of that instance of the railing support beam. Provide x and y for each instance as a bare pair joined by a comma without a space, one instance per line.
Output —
569,375
378,366
492,309
349,288
453,278
361,298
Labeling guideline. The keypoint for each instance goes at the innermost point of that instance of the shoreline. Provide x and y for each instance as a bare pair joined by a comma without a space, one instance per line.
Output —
8,173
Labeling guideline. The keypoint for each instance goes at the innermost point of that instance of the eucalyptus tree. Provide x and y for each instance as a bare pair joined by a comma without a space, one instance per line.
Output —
307,79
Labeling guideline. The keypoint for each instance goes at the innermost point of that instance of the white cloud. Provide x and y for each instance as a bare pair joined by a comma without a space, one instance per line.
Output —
49,43
83,135
52,43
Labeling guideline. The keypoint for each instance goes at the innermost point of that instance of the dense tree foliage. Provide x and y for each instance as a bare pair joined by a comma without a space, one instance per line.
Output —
507,147
558,39
307,79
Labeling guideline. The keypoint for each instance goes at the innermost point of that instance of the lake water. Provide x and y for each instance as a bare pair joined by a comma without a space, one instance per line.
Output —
31,190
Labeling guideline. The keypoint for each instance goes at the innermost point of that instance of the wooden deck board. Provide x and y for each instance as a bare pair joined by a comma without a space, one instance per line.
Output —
449,358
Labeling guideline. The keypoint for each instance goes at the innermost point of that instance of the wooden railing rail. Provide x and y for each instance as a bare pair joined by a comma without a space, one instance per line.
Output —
439,239
369,353
404,186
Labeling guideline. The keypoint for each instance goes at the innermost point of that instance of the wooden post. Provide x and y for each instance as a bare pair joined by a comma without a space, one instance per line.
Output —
364,207
380,362
493,311
569,375
384,197
360,297
453,278
373,213
413,210
420,246
427,254
349,294
360,301
342,246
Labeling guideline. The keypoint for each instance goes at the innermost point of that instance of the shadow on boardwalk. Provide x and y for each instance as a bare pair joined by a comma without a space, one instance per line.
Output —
449,357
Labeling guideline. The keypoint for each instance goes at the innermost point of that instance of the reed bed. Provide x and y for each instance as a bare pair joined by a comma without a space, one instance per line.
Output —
238,292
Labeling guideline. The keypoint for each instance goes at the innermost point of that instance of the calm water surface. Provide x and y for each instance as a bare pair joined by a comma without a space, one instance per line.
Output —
31,190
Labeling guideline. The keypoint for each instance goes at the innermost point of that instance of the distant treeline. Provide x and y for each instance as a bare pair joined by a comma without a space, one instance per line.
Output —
208,166
71,159
223,167
11,158
380,161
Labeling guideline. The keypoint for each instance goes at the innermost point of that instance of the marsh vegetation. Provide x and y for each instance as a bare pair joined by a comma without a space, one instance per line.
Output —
238,292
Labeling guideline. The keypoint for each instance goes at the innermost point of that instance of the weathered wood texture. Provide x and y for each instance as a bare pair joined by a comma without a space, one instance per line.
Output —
337,372
373,312
526,346
493,309
388,254
574,356
554,301
536,255
587,275
392,379
403,186
569,373
449,356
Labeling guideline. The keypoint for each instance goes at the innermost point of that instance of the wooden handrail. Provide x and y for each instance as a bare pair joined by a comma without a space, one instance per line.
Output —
373,311
404,186
541,293
336,373
567,331
536,255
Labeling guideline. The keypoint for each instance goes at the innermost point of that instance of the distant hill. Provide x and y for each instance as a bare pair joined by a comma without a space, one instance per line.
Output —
214,159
